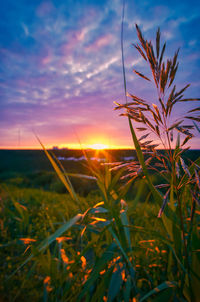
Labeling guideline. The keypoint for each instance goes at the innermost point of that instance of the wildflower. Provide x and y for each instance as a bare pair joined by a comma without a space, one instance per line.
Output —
47,282
27,240
84,262
60,239
123,275
64,257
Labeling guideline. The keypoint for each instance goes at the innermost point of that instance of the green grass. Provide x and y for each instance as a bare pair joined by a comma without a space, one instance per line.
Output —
140,251
28,213
35,214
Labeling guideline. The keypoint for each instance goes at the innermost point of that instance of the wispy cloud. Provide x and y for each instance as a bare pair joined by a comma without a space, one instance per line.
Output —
61,63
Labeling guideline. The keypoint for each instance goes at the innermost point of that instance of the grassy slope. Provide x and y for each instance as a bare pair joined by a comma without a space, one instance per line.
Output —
33,213
28,213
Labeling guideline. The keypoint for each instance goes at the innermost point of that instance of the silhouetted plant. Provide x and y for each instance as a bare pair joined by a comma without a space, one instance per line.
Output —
181,181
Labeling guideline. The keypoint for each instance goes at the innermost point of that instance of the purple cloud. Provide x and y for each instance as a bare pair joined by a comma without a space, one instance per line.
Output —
61,65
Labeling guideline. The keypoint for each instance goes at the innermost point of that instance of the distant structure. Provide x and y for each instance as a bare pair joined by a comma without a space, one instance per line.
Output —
57,148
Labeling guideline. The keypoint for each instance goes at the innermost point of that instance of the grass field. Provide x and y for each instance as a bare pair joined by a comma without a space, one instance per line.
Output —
32,210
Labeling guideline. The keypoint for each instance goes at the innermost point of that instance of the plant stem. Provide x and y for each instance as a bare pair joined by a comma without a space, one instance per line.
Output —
186,260
122,50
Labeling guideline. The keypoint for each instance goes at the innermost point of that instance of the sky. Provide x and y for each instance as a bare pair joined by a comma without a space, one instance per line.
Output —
61,68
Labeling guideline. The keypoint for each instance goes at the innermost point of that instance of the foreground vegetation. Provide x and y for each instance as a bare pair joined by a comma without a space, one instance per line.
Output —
30,215
105,246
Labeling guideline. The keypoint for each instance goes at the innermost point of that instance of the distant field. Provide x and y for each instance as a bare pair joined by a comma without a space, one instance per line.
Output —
32,169
23,161
35,160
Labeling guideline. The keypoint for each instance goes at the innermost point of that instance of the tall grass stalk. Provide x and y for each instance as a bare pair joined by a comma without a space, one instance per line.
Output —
140,111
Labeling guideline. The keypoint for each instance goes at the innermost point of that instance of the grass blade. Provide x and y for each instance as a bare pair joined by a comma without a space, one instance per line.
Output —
63,177
159,288
115,285
122,250
50,239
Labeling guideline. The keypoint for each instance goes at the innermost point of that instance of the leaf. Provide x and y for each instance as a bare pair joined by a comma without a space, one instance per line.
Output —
140,51
146,143
175,125
158,42
46,242
59,232
195,109
162,185
136,98
122,250
164,203
141,75
181,91
158,289
186,140
99,265
63,177
161,56
185,167
144,136
184,131
118,105
177,170
187,126
152,147
151,57
157,111
139,33
188,100
174,68
157,130
197,178
169,101
150,124
96,210
155,117
125,223
115,285
162,105
162,78
78,175
193,118
131,116
141,128
166,295
198,129
127,289
173,75
167,70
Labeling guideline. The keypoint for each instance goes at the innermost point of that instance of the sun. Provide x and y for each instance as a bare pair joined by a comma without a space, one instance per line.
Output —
98,146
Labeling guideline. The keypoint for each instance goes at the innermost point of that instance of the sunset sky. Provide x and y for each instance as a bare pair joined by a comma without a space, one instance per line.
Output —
61,68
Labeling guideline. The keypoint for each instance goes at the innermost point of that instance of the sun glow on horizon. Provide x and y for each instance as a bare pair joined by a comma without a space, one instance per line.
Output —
98,146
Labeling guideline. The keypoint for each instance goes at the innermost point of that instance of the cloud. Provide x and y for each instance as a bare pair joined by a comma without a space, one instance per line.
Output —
45,8
99,43
61,61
